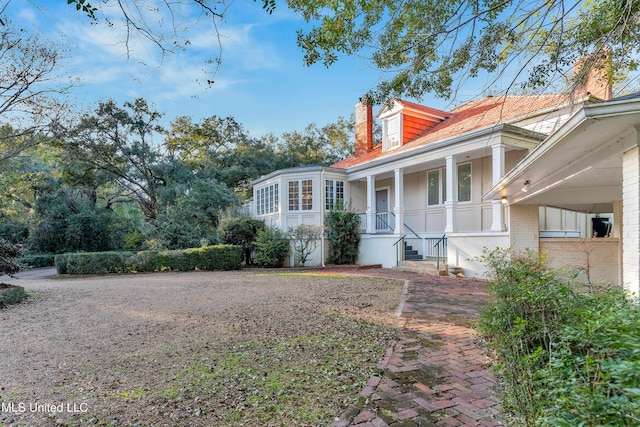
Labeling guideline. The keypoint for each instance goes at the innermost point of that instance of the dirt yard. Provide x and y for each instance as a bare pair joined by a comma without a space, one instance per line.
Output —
192,349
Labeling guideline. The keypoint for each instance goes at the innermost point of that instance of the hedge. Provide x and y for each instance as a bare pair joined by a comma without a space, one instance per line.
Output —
218,257
37,261
94,262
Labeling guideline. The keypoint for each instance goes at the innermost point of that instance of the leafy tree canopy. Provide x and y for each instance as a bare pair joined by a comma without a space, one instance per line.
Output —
432,46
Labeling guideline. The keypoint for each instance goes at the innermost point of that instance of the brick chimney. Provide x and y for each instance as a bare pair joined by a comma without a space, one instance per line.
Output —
364,127
594,73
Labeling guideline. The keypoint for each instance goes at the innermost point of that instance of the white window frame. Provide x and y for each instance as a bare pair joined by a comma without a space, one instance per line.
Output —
333,191
303,200
267,200
460,181
442,186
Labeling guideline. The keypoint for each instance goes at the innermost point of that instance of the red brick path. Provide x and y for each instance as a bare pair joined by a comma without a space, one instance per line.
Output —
437,374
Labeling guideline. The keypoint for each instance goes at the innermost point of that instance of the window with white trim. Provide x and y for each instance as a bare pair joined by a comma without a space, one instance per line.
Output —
267,200
464,182
436,187
301,195
334,192
393,132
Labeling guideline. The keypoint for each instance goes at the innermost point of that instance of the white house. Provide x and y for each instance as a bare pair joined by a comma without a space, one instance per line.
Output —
545,172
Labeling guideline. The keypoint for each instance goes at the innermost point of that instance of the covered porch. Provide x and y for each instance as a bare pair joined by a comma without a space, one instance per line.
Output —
431,199
590,165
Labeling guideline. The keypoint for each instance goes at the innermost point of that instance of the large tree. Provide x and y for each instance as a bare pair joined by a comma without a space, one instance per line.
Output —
118,142
316,145
433,46
31,89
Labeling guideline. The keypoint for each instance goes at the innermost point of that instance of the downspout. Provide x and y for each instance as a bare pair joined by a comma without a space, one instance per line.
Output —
323,203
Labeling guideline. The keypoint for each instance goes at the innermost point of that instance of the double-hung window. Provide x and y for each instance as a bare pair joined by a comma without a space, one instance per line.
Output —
436,187
464,182
334,193
301,195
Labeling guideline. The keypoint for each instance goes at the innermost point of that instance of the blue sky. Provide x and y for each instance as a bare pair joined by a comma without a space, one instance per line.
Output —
262,81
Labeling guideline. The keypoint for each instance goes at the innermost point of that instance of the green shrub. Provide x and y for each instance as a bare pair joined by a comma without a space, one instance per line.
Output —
9,252
146,261
60,261
343,235
566,356
272,246
218,257
10,294
593,374
241,231
93,262
37,261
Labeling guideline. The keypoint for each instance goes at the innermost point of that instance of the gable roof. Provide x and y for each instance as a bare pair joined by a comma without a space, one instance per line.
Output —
476,114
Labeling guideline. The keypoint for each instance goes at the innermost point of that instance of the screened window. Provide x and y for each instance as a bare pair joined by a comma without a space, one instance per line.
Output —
436,187
301,195
334,192
464,182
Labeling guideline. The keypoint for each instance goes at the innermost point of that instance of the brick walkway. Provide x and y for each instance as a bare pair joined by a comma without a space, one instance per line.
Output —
436,374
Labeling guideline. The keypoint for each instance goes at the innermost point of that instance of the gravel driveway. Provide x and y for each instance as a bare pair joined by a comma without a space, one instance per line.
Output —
191,348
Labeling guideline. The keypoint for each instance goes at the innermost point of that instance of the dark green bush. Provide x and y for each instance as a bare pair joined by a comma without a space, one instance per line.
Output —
37,261
60,261
11,295
593,374
218,257
94,262
344,235
9,253
146,261
241,231
272,247
567,356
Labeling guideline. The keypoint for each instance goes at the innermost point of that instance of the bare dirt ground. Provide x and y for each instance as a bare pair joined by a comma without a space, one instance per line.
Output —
198,349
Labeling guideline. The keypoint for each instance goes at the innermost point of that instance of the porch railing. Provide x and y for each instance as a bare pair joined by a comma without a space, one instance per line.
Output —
382,221
432,247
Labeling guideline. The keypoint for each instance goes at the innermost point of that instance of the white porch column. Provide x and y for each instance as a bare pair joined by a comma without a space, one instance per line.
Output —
371,204
631,218
452,196
497,169
398,209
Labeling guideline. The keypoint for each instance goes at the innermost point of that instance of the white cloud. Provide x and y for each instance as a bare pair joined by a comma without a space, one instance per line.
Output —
28,16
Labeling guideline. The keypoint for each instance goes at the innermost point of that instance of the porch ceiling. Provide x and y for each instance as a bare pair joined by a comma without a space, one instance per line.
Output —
579,167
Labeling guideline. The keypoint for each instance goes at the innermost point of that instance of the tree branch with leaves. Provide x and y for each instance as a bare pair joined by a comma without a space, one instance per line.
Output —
435,46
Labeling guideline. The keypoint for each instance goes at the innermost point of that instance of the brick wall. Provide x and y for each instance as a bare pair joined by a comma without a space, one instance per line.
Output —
364,127
599,256
523,227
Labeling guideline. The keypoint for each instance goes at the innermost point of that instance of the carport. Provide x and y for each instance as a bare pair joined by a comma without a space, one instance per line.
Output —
591,164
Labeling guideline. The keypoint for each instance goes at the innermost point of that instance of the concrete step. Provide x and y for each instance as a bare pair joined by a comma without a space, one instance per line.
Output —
422,267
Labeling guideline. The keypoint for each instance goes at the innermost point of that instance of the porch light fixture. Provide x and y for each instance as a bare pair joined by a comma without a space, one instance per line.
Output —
503,200
526,185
